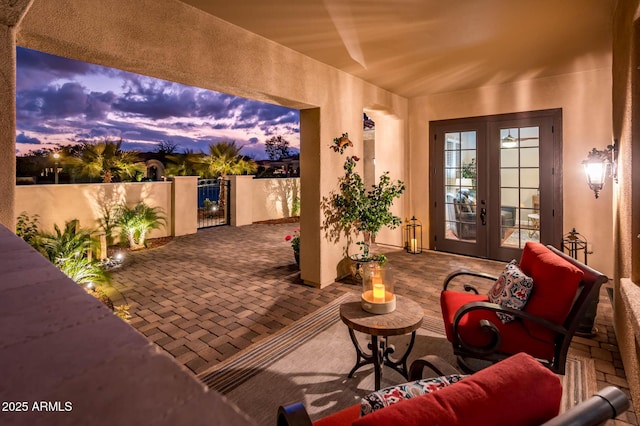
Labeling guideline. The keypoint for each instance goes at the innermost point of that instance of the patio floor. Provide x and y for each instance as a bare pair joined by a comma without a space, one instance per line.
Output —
206,296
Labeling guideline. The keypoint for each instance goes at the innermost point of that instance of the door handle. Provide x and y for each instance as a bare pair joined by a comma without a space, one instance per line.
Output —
483,215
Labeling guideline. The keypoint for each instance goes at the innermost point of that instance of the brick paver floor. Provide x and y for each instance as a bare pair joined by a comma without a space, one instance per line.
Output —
207,296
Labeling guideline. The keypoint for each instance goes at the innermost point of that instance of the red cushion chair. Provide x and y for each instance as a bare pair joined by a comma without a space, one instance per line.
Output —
518,391
563,289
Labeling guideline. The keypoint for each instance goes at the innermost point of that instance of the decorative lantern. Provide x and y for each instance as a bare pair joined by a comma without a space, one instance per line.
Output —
378,295
413,236
573,243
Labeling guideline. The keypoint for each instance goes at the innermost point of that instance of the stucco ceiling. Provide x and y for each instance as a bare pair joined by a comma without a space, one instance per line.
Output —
418,47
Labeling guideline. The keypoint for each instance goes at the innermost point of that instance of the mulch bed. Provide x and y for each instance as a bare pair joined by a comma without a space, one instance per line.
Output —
292,219
151,243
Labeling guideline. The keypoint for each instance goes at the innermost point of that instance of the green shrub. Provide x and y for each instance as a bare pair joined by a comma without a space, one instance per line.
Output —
135,223
27,228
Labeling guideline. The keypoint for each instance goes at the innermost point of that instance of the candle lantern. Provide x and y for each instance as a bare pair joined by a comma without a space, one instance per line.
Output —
413,236
378,296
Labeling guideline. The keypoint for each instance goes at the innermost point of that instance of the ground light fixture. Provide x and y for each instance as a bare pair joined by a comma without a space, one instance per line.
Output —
599,165
378,296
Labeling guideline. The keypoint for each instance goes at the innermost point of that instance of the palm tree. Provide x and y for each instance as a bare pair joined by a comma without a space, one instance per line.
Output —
186,164
105,160
224,159
136,222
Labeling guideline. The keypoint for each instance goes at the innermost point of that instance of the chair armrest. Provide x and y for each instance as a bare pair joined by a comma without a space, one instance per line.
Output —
473,306
490,328
609,403
293,415
436,364
464,272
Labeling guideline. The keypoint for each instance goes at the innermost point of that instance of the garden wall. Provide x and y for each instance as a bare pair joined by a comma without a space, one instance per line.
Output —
275,198
56,204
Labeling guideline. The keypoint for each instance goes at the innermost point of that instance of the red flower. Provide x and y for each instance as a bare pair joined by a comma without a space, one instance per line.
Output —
288,238
356,158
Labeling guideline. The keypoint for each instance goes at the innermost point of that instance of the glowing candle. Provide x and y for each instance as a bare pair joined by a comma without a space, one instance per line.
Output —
414,245
378,293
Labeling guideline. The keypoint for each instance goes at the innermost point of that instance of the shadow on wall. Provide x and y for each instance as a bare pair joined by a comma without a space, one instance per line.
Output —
282,197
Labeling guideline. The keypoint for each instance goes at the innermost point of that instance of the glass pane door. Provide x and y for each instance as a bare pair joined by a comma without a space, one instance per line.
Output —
460,181
519,186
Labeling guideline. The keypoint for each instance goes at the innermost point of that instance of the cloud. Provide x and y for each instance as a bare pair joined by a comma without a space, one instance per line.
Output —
68,100
39,69
156,99
98,105
61,101
22,138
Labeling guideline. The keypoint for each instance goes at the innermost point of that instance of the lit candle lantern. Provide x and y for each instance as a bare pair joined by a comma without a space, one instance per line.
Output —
378,293
413,236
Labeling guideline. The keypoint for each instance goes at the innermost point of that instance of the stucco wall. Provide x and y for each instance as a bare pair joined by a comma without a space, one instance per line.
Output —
57,204
585,99
170,40
626,128
273,198
7,125
61,344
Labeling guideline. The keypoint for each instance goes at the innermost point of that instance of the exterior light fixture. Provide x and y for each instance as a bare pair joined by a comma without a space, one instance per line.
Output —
600,164
56,157
378,296
413,236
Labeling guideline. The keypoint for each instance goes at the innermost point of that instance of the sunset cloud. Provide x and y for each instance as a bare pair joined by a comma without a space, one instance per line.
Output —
62,101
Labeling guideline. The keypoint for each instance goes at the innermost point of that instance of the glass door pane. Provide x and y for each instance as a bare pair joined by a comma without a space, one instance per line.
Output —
519,186
460,184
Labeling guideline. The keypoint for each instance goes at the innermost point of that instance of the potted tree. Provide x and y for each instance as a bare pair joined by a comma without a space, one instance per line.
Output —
356,208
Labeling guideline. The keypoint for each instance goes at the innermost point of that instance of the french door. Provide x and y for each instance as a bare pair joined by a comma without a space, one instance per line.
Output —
495,183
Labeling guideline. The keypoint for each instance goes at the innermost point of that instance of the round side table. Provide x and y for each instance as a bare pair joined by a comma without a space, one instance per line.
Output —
407,318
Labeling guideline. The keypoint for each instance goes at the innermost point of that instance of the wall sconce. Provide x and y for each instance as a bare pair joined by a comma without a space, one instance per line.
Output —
600,164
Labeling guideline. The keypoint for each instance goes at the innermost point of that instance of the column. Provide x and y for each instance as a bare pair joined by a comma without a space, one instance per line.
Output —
10,15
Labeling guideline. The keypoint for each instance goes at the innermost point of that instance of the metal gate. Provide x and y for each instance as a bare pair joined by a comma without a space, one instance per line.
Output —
213,202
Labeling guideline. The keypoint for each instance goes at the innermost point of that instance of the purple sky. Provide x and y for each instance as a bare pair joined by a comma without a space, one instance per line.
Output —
61,101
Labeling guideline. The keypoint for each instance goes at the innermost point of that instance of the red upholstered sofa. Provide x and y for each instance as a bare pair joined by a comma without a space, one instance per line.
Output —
518,391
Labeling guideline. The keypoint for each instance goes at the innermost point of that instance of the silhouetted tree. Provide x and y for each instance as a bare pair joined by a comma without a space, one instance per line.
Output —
188,163
224,159
106,160
277,148
166,148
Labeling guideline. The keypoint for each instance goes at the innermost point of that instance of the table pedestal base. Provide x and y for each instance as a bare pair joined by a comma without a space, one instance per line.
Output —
380,349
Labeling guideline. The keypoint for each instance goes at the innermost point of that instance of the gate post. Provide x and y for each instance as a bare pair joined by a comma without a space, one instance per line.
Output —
184,205
241,200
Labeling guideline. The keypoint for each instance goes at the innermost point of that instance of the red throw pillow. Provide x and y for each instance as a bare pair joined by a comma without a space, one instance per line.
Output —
518,391
555,284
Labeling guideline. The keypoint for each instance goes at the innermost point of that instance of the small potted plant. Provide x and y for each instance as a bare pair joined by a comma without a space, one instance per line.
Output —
294,239
354,207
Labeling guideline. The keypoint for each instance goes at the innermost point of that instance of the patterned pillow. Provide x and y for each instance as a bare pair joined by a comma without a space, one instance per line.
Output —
511,290
388,396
